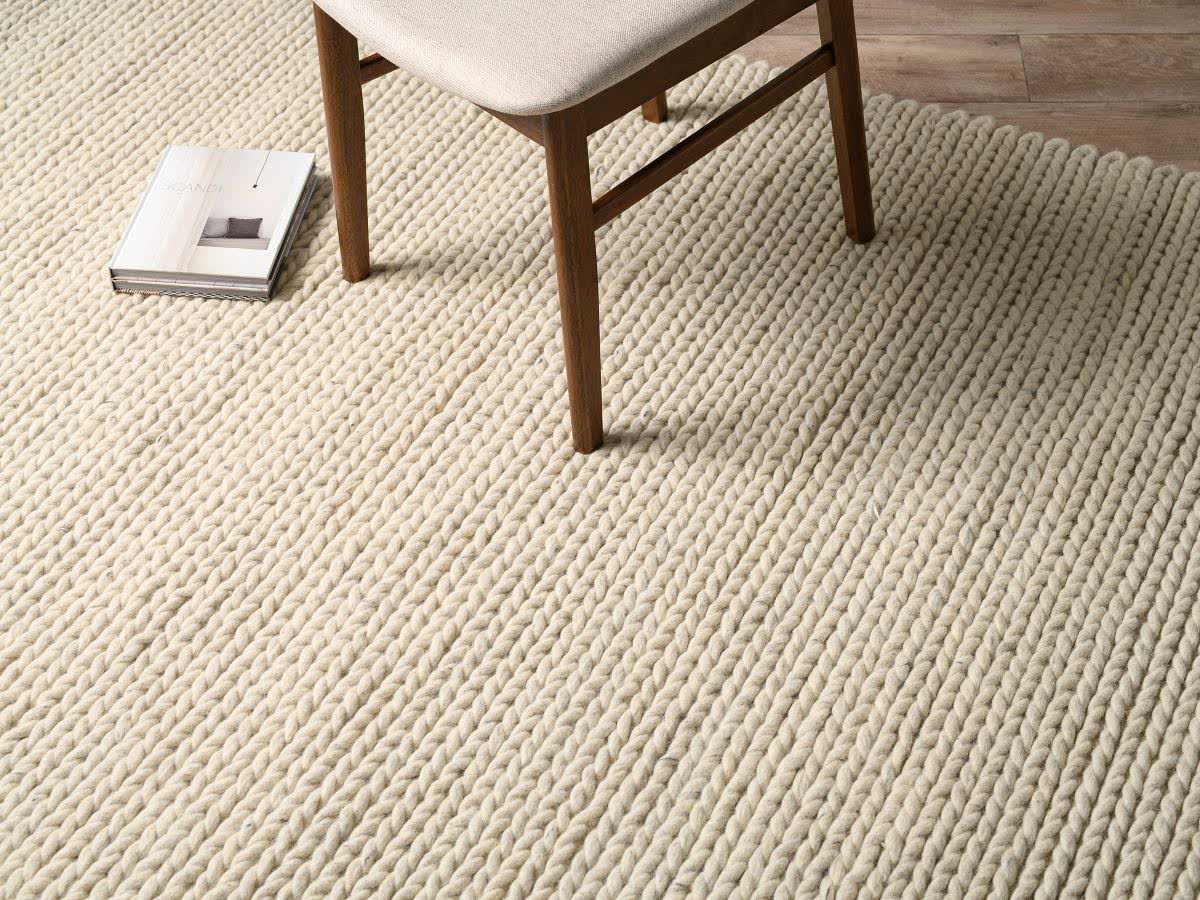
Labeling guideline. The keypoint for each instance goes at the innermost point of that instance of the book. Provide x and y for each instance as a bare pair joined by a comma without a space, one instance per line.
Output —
215,223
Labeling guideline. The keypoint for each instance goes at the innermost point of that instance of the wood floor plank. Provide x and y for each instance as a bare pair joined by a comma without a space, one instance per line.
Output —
1015,17
933,68
1094,68
1166,132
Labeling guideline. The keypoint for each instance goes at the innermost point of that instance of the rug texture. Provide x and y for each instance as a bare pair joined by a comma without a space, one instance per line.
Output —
885,582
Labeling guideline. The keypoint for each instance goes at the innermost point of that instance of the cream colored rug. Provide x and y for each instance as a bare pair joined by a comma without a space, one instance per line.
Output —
885,583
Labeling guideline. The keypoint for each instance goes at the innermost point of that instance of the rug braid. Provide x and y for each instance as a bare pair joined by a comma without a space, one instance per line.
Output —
884,584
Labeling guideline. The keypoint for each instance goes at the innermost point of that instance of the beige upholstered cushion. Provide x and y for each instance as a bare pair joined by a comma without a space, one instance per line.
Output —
526,56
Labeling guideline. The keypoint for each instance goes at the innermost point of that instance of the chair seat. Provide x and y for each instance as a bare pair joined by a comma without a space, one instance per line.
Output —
526,57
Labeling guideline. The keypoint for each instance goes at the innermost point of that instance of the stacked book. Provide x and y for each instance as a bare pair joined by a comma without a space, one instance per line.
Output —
215,223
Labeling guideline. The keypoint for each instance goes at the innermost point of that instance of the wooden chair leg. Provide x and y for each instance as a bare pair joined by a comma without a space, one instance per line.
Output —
836,21
655,109
341,86
570,184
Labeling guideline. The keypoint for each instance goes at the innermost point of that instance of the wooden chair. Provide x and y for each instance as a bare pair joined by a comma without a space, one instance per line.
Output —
556,72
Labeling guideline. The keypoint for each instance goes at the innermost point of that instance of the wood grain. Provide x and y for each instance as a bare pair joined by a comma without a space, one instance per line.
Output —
1166,132
345,128
689,58
1015,17
568,178
846,117
374,66
1119,74
655,109
1071,68
933,68
712,134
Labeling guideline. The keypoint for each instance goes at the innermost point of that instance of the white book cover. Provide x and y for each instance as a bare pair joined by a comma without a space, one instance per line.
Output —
214,212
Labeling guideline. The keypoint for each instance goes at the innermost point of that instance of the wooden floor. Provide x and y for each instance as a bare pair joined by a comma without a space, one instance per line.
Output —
1120,74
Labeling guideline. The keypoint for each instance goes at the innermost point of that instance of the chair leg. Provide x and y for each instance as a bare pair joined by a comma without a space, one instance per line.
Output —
570,184
655,109
341,86
836,21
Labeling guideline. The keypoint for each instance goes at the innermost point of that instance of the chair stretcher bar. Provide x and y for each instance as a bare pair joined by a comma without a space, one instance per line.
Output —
711,135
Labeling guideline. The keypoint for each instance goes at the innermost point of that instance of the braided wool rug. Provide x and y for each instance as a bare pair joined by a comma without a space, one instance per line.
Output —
886,581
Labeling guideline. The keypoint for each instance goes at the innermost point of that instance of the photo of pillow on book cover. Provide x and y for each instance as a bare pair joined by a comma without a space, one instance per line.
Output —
235,233
215,221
